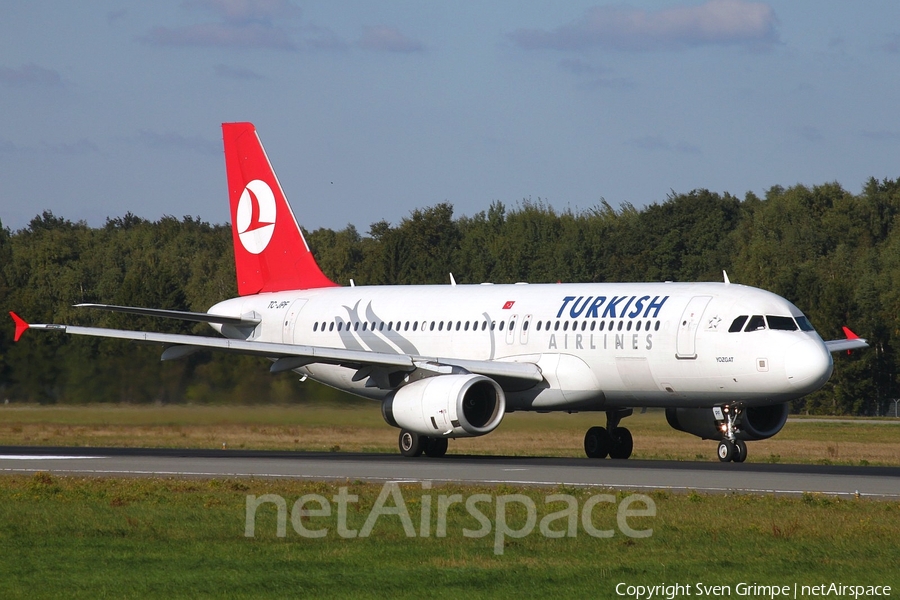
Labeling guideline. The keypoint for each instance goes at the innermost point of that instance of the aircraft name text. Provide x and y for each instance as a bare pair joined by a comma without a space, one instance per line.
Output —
631,307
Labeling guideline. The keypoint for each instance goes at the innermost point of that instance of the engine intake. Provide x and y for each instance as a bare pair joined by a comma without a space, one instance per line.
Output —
447,406
755,422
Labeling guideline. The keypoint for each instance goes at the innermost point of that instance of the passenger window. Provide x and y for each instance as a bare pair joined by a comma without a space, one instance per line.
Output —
781,323
502,323
737,324
756,323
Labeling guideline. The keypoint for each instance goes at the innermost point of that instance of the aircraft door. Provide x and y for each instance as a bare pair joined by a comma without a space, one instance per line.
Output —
290,320
511,329
686,339
523,336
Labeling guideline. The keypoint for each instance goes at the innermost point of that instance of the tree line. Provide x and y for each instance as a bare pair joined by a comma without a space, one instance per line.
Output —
834,254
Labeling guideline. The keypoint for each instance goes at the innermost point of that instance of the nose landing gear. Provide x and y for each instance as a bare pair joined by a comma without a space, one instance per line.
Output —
730,448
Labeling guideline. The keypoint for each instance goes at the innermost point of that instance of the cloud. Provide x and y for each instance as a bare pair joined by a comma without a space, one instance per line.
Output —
892,46
7,147
388,39
229,35
247,11
809,133
237,73
176,141
242,24
116,15
581,67
30,75
79,148
717,22
655,143
882,136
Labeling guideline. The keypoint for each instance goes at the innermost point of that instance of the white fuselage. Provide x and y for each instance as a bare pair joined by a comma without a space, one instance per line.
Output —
599,346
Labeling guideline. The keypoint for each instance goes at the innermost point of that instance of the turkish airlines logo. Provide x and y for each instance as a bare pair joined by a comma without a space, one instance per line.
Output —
256,216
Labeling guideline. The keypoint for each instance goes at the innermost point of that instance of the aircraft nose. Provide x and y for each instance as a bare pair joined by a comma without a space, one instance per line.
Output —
808,364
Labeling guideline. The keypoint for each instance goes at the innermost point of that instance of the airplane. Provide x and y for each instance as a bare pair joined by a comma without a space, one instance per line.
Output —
450,361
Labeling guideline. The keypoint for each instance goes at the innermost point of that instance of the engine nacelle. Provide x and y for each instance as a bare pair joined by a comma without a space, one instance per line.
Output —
447,406
755,423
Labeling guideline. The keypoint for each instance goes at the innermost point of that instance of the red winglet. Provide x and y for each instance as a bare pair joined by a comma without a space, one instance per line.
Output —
21,325
850,335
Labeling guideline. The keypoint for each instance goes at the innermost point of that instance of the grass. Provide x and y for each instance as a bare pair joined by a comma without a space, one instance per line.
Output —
360,428
96,538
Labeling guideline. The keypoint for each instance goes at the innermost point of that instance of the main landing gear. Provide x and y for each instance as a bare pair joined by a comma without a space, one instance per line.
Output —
413,444
612,441
730,448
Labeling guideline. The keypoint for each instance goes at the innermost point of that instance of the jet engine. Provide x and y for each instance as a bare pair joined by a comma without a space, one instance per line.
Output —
449,406
753,423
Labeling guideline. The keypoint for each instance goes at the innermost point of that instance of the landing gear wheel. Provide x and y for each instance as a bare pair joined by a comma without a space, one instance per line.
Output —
436,447
411,444
726,451
740,451
597,442
622,443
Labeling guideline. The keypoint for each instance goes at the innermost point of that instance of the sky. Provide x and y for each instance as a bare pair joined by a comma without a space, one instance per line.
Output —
369,110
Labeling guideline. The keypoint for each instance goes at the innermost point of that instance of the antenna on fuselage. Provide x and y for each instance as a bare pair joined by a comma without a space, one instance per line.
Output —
452,280
725,275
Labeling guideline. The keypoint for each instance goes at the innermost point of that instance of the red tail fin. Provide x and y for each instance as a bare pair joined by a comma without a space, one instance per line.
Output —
269,250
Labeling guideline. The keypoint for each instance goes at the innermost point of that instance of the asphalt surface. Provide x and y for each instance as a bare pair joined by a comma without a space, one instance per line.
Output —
710,477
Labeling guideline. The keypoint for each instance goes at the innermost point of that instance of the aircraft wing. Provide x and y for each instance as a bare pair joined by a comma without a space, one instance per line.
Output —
292,356
851,342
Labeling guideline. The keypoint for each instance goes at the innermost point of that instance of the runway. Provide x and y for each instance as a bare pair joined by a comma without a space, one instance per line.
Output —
708,477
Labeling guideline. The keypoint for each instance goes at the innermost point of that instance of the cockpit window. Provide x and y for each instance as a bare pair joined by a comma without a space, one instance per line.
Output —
781,323
755,323
737,324
804,324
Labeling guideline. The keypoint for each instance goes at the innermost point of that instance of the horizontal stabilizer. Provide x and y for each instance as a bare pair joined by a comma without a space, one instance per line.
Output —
21,325
176,314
